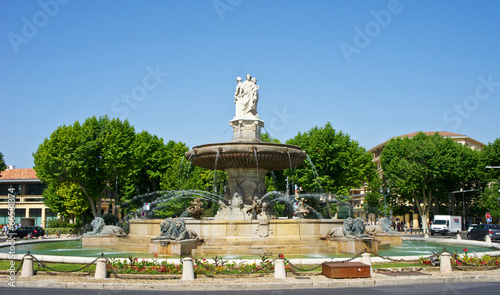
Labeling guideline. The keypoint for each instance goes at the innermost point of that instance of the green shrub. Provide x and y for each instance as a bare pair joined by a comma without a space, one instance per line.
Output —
125,226
64,230
58,223
109,219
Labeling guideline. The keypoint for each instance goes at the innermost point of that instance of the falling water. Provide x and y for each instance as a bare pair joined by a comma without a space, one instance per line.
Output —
316,175
159,199
256,160
215,171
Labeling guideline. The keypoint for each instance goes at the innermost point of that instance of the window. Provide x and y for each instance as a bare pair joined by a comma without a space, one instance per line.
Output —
34,189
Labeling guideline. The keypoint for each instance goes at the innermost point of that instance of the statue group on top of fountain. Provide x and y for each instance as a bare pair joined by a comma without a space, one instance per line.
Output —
246,97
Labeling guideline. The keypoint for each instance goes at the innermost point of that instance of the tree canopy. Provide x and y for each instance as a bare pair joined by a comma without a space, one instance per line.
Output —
90,155
422,170
339,163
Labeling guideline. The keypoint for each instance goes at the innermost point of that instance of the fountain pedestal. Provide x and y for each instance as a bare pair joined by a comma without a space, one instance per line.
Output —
245,129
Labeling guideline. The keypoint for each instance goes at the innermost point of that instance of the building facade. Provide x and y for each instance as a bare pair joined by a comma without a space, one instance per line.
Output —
29,200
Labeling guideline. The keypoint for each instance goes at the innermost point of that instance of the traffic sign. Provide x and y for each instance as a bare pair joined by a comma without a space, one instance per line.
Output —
488,219
487,215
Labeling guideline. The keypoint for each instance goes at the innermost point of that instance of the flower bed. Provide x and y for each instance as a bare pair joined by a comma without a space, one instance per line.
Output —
201,267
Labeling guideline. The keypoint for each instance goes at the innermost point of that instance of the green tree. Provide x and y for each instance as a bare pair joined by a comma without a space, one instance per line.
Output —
339,162
91,155
66,199
488,201
491,157
423,169
150,163
2,163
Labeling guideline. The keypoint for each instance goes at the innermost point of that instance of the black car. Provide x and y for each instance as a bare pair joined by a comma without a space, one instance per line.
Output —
481,230
28,231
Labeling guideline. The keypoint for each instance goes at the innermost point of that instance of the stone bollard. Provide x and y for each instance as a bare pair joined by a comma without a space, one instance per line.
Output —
445,266
459,237
279,269
100,269
426,236
365,258
487,239
27,270
187,269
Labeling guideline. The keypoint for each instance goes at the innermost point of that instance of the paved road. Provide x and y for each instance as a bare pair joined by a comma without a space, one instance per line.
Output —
431,289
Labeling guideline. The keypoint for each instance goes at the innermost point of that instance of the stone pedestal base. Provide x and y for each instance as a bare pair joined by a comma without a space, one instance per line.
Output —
169,247
246,129
354,246
101,241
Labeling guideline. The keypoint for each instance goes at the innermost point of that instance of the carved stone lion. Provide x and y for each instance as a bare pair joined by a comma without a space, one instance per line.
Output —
354,228
100,228
386,224
175,229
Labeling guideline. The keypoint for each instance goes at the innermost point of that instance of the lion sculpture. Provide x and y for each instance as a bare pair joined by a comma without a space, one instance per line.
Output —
354,228
384,226
175,229
99,227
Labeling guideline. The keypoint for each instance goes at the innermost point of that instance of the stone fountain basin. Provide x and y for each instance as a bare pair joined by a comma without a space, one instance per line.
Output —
270,156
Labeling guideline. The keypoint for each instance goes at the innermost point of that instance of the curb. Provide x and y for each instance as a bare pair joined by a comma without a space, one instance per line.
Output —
288,283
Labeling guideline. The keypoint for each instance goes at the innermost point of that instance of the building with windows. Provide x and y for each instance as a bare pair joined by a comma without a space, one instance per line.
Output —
29,200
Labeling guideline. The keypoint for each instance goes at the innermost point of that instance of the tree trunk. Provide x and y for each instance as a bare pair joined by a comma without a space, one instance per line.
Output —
99,207
424,211
91,201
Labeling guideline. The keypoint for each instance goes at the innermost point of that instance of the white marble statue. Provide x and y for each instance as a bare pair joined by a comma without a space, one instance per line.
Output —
246,97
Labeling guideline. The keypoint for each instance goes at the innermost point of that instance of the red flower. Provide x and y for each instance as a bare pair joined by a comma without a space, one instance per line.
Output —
465,249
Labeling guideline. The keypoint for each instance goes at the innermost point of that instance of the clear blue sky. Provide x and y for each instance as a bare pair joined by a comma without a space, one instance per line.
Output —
374,69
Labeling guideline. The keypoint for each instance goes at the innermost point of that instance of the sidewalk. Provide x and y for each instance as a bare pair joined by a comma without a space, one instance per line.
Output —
268,282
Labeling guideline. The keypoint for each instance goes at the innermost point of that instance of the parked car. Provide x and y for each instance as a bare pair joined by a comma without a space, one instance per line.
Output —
471,227
481,230
28,231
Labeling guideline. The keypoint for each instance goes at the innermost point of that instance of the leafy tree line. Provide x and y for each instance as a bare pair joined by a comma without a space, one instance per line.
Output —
423,171
79,163
82,161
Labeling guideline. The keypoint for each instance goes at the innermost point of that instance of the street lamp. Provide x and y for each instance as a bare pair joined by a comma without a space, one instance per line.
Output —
463,201
385,203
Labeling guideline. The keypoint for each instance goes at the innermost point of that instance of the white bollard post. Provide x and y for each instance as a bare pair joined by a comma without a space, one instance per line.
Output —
487,239
365,258
27,270
445,265
279,269
187,269
426,236
459,237
100,269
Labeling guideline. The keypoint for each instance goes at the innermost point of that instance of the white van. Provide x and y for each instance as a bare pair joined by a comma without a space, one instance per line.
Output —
446,224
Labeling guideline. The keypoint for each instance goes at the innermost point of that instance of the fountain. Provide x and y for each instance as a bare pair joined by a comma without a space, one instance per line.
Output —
245,223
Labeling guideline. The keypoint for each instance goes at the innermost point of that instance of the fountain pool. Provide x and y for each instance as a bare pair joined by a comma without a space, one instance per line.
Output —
74,248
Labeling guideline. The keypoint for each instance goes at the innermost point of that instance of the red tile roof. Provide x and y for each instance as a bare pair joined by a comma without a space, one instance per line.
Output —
24,173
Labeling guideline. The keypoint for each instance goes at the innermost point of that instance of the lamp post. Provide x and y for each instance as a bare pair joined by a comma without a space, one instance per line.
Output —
463,201
385,203
116,198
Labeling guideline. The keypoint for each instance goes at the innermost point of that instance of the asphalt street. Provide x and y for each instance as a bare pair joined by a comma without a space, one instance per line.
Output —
437,289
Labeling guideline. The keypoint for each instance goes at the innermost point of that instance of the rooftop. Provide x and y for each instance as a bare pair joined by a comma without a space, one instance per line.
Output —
18,174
